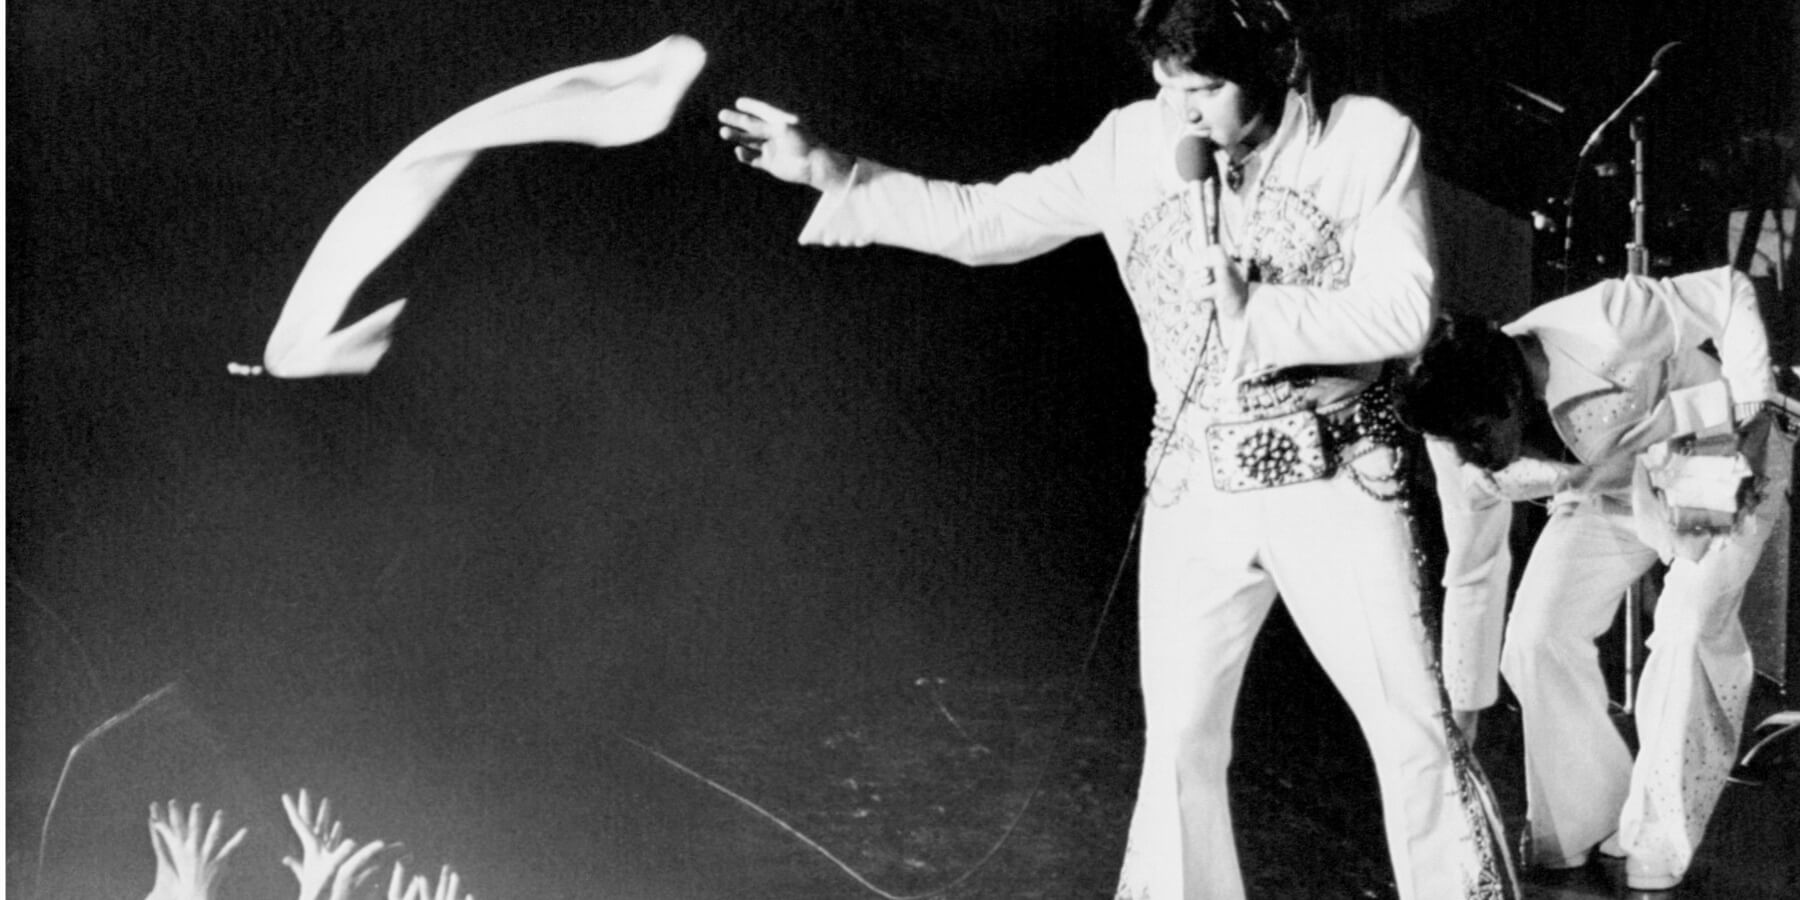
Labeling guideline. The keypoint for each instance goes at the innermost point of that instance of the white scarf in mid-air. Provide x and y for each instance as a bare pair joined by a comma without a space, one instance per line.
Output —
603,104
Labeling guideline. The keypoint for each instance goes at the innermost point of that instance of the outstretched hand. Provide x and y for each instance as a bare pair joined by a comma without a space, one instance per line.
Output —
331,866
771,139
189,863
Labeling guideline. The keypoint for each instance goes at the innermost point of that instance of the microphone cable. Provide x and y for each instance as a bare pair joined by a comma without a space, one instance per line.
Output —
1083,680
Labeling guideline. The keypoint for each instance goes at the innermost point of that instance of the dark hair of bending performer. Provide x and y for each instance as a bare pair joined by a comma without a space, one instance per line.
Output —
1667,454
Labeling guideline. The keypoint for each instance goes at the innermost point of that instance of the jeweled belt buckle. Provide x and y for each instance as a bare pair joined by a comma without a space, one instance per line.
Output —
1266,453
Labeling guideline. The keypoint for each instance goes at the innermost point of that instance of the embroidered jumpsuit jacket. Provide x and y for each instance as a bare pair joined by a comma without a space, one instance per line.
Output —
1330,214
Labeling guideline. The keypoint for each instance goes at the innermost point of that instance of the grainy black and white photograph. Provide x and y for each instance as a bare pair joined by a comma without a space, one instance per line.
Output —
852,450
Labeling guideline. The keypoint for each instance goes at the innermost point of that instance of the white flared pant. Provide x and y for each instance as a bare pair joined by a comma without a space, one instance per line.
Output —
1581,781
1211,566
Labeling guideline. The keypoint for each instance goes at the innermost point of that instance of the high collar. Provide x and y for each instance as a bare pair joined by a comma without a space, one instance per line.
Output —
1300,122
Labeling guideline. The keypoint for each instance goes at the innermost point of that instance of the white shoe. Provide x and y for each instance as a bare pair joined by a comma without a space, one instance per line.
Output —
1644,875
1564,864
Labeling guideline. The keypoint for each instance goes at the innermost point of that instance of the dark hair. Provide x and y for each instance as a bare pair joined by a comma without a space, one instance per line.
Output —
1253,43
1469,368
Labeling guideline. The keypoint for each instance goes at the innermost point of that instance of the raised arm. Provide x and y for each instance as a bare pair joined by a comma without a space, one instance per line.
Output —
865,202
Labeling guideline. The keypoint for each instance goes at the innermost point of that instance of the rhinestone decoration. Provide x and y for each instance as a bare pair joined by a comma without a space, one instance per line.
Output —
1269,456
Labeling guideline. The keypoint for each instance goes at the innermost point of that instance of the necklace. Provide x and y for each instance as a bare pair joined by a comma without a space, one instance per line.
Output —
1234,172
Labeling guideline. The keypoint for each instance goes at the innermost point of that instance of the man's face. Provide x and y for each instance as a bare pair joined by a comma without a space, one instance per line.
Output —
1491,442
1215,108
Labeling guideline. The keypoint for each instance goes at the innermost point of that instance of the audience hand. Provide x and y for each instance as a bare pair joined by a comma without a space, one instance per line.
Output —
331,866
191,854
189,864
449,886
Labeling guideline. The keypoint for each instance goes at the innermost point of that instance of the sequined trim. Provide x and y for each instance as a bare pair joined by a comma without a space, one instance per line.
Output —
1293,241
1133,884
1288,239
1495,876
1175,329
1590,422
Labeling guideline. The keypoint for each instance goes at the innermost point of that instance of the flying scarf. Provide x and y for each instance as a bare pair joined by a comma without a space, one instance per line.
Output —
603,104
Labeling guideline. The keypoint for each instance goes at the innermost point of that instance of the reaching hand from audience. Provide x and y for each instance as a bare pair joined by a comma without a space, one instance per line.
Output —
449,886
331,866
189,863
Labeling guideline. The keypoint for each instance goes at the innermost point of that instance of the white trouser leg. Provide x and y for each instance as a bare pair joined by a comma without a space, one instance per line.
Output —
1201,602
1691,699
1576,764
1343,562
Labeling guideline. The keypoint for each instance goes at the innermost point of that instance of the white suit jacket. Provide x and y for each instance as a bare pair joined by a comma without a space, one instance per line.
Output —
1332,212
1627,370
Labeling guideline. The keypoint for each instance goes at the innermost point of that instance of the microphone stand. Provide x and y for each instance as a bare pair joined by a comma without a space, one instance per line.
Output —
1637,253
1637,256
1637,262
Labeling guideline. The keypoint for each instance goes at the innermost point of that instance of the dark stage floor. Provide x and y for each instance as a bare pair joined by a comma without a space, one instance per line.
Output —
989,786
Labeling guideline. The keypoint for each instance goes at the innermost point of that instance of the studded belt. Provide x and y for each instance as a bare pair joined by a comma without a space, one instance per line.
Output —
1302,445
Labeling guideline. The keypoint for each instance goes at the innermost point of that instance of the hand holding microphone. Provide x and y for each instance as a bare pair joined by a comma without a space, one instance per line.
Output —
1196,164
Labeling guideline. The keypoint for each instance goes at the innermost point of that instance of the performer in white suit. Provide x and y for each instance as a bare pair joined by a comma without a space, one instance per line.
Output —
1620,371
1273,464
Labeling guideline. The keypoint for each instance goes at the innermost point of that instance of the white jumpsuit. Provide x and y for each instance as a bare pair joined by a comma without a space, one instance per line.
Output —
1331,213
1626,371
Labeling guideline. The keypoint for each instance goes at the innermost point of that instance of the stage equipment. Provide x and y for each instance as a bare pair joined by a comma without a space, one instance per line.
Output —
1637,262
1767,610
1656,64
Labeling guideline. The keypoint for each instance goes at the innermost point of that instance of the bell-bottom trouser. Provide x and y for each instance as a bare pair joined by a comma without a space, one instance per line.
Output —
1211,565
1581,781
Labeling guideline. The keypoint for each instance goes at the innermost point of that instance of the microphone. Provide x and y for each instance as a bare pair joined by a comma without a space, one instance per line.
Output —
1656,63
1195,164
